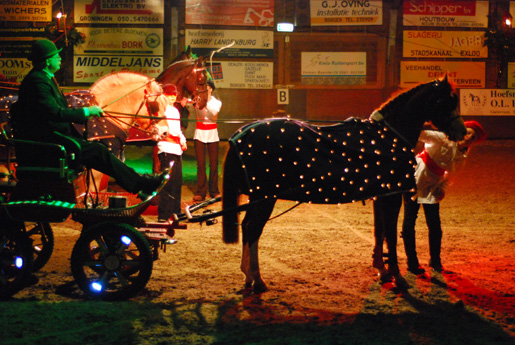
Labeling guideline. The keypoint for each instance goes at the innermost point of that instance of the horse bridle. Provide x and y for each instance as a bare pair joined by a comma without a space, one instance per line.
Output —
195,72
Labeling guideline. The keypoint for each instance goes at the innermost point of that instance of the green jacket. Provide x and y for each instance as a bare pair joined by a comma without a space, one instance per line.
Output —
42,109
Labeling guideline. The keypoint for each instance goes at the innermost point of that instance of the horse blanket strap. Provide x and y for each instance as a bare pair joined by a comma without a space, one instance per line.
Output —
351,161
430,163
206,126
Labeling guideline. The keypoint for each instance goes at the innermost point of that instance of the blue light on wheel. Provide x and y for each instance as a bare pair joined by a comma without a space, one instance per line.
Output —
18,262
97,287
126,240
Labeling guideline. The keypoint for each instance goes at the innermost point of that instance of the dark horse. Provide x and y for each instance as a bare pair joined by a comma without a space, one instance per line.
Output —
354,160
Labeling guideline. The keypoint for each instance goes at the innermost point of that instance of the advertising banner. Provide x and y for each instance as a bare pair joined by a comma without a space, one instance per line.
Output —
26,11
325,12
119,11
444,44
496,102
445,13
230,12
242,74
334,68
462,74
247,43
108,50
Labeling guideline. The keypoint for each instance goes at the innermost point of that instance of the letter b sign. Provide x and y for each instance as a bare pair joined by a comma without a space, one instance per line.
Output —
282,96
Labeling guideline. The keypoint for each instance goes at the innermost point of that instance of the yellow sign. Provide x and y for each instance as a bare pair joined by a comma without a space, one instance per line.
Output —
26,11
462,74
444,44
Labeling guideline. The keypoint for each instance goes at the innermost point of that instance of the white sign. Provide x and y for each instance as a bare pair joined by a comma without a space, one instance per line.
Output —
119,11
334,68
243,74
247,43
108,50
445,13
283,96
325,13
497,102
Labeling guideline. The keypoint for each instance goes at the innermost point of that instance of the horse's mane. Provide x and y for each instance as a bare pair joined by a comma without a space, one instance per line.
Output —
123,89
399,99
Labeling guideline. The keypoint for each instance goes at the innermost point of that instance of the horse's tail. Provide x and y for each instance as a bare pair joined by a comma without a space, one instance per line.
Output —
231,192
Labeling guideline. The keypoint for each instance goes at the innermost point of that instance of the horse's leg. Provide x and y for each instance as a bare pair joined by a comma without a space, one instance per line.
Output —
377,256
388,208
255,219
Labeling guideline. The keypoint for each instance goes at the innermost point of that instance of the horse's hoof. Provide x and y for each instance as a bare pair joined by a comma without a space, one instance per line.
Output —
260,288
384,275
400,282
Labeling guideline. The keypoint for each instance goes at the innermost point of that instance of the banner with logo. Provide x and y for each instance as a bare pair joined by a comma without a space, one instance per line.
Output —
25,11
230,12
444,44
247,43
334,68
462,74
445,13
119,11
242,74
325,12
108,50
497,102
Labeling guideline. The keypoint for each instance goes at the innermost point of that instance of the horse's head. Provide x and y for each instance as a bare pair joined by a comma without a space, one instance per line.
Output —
433,102
190,77
442,104
196,83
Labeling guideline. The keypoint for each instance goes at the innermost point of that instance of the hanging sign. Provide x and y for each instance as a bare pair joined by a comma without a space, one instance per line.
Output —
242,74
230,12
462,74
247,43
119,11
325,12
26,11
444,44
445,13
334,68
108,50
496,102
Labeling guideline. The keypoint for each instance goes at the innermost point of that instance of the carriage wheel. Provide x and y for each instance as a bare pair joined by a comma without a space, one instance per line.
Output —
111,261
42,243
16,261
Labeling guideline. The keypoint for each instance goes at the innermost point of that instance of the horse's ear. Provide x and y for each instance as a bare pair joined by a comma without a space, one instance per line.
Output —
188,51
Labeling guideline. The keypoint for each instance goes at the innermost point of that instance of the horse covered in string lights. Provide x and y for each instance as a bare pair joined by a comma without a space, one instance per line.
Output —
354,160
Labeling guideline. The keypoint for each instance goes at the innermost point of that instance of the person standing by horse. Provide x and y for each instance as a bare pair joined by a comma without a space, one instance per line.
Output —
170,150
440,158
42,114
206,138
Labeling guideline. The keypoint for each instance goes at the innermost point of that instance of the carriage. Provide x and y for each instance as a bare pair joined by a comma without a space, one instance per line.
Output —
113,257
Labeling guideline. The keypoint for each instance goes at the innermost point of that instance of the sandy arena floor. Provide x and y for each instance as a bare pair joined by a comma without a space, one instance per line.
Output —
323,290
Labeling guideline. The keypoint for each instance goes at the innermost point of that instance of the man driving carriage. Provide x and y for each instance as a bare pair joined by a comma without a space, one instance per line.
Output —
42,114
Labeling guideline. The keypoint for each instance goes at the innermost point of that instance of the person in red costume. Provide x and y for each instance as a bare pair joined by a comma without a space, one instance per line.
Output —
170,150
440,158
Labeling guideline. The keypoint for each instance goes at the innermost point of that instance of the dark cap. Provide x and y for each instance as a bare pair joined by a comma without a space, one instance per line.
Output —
42,49
211,83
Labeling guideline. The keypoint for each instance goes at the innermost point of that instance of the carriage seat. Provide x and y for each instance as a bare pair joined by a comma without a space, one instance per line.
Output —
48,161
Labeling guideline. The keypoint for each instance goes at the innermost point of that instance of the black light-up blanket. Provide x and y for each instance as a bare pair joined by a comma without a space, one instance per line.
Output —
351,161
